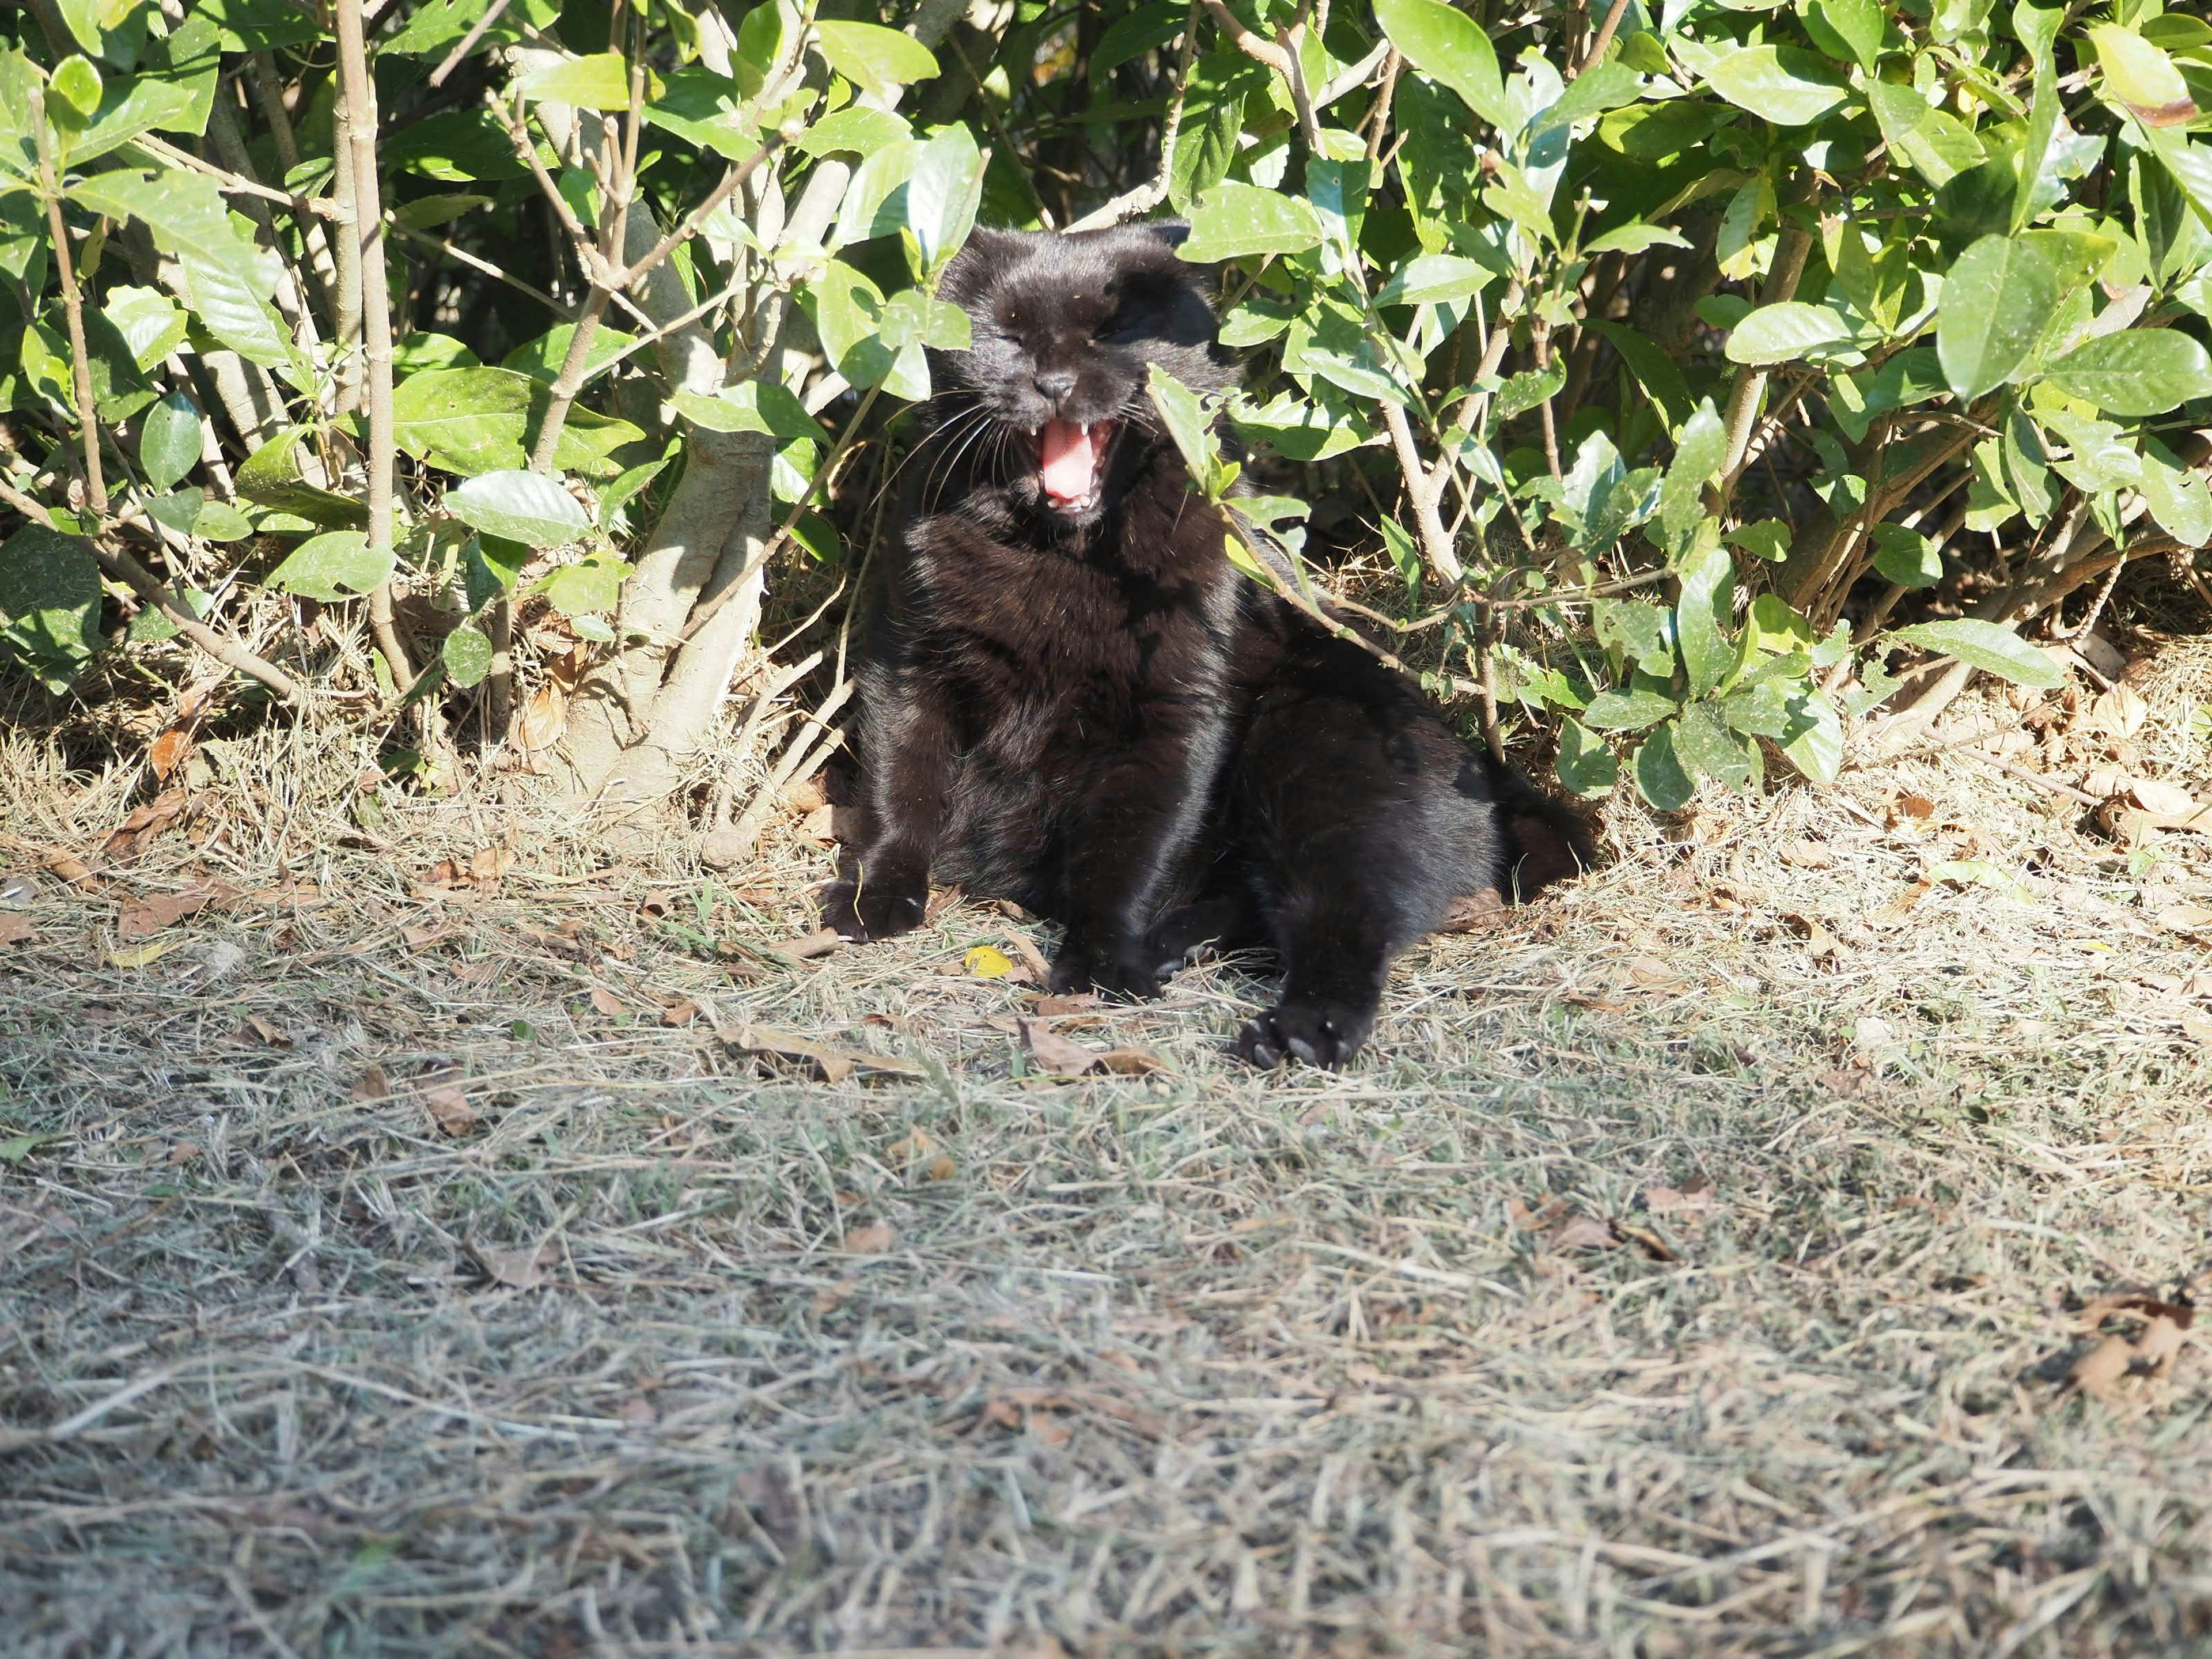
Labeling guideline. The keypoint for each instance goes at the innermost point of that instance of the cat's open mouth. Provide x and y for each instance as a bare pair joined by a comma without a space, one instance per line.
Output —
1071,463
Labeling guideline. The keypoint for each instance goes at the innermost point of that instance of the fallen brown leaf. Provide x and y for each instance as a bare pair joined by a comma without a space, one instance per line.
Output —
131,838
1819,943
819,943
835,1064
542,719
166,752
2165,799
1525,1219
522,1270
872,1240
682,1013
831,1297
1055,1053
2150,1353
489,864
1032,958
423,935
608,1003
167,910
73,870
805,795
373,1084
254,1028
1807,856
1472,912
1583,1232
1077,1004
1131,1062
15,929
449,1108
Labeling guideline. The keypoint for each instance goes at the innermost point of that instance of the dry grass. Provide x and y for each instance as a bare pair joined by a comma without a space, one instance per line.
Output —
1688,1270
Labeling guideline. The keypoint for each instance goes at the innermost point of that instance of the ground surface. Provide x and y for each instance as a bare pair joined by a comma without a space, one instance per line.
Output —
391,1265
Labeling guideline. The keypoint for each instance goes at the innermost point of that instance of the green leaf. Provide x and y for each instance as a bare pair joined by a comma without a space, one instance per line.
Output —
2138,371
598,81
1707,748
415,353
1998,295
149,322
1641,631
519,506
1232,220
1658,373
49,598
763,406
943,194
1763,538
1985,646
590,586
184,210
1857,26
1187,421
339,564
1526,390
1659,777
17,1149
1785,331
467,653
1702,614
1786,85
2178,497
1627,711
2140,76
78,82
543,358
274,476
1434,279
1143,30
235,312
1585,766
858,130
1449,46
219,521
1817,750
1636,239
476,420
169,440
1699,454
1904,556
1938,145
876,59
875,197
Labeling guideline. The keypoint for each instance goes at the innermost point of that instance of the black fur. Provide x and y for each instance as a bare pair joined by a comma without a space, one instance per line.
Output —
1085,708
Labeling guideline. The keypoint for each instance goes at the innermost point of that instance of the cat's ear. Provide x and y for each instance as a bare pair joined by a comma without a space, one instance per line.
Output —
1174,232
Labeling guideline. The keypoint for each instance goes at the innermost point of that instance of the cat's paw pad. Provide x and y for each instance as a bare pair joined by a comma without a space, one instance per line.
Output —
1117,974
873,911
1324,1033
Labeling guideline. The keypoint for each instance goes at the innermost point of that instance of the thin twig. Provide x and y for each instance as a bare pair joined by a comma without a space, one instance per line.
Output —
1596,53
88,419
359,93
467,43
485,267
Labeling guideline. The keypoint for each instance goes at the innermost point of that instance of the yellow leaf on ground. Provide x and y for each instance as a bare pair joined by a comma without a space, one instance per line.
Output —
987,962
142,956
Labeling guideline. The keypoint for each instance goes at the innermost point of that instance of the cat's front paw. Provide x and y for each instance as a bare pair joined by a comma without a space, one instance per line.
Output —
875,910
1324,1033
1119,971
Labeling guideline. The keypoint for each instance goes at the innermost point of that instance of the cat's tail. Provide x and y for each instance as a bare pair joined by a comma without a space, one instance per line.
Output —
1549,840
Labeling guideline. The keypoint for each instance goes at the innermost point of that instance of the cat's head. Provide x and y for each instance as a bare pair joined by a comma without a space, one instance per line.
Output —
1066,327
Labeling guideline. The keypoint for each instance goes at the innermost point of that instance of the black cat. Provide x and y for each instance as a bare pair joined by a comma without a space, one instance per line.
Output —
1071,699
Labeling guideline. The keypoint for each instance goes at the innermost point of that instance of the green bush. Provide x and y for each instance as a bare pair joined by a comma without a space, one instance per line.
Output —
1673,356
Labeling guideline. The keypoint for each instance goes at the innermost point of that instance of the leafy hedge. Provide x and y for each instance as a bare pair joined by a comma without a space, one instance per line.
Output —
1674,355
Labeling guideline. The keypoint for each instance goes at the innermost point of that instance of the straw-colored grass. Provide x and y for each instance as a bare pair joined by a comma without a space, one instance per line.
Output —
1691,1266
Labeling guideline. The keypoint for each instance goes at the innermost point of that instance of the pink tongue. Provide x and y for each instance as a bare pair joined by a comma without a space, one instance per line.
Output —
1067,459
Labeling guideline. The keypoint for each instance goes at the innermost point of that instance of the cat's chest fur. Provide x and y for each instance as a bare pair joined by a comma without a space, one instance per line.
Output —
1052,638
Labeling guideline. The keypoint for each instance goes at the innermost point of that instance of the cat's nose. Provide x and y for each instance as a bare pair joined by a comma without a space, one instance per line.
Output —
1056,384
